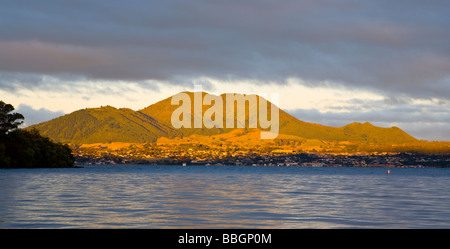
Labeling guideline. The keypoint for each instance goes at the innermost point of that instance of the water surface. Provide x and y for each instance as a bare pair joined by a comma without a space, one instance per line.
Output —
224,197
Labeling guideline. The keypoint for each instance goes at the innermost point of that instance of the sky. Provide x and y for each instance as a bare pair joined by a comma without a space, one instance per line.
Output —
332,62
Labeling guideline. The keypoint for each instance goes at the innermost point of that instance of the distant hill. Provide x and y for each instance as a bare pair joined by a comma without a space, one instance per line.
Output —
104,125
109,124
290,125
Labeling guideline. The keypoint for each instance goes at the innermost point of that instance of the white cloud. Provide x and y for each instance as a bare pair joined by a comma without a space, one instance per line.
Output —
421,118
35,116
325,104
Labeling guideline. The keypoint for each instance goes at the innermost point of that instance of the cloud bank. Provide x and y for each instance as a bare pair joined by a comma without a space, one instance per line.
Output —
399,46
394,48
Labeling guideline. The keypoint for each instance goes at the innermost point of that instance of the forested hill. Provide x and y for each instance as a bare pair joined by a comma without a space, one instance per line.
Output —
108,124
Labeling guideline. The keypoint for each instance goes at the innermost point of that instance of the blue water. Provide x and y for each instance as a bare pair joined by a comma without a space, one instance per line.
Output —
224,197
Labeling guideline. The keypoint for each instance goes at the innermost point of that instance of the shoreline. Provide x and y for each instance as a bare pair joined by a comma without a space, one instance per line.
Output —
400,160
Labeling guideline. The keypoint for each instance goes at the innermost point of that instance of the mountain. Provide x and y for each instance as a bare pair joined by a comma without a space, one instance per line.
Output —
109,124
104,125
366,132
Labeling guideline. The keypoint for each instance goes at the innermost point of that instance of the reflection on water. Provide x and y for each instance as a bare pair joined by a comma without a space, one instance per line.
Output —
224,197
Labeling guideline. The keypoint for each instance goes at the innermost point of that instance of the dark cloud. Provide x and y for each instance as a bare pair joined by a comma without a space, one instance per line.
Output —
391,46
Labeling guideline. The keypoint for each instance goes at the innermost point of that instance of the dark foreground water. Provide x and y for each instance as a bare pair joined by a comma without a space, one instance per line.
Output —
224,197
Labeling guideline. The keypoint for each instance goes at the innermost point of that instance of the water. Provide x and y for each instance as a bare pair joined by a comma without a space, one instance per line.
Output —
224,197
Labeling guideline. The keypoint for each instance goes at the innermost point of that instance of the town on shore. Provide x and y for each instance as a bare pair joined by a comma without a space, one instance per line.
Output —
206,156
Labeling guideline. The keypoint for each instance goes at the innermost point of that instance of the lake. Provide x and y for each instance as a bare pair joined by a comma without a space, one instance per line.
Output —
131,196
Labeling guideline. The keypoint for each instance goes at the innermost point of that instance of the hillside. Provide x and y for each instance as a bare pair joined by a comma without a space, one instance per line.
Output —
290,125
104,125
109,124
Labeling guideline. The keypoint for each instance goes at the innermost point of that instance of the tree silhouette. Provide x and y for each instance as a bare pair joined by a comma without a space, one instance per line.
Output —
27,148
9,121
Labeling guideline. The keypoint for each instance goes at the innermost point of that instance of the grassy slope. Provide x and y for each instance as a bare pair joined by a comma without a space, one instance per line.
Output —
108,124
366,132
103,125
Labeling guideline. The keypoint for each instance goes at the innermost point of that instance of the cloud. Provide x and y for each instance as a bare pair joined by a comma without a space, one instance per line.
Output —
35,116
396,49
389,46
422,119
47,58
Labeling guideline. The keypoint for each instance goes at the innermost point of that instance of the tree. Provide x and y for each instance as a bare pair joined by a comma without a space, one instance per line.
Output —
20,148
9,121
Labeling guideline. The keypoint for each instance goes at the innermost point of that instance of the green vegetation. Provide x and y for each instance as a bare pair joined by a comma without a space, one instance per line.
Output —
104,125
354,132
162,111
108,124
27,148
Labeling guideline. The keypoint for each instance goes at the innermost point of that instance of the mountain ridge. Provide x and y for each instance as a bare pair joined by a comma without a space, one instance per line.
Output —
108,124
